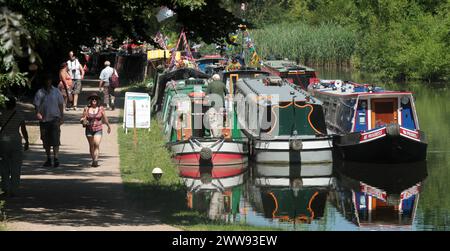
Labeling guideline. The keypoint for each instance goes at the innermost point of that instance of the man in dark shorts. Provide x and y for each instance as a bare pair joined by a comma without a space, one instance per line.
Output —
49,105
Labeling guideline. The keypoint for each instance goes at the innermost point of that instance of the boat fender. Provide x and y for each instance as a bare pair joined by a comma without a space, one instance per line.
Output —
205,153
296,144
393,130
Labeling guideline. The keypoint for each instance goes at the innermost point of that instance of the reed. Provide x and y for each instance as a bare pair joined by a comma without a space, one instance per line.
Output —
323,45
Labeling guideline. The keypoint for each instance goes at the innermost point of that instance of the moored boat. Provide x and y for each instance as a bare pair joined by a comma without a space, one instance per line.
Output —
161,81
197,133
299,75
211,64
283,123
371,124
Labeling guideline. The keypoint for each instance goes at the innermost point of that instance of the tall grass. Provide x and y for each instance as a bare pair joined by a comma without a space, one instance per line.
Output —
322,45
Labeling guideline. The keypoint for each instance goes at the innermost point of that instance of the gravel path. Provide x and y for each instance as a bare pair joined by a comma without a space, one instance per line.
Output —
75,196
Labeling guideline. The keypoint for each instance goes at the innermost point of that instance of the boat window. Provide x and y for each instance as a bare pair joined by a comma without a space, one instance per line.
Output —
384,111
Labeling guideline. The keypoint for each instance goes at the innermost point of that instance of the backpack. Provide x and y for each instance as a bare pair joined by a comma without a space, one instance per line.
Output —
114,79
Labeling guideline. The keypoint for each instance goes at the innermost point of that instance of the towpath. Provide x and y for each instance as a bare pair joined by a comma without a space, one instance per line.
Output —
75,196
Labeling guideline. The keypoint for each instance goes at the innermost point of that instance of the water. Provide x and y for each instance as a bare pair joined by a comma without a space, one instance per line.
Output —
345,196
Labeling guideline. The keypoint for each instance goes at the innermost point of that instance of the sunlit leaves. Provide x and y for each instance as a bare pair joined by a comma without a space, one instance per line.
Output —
15,42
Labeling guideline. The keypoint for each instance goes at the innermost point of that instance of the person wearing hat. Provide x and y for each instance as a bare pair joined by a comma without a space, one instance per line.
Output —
93,118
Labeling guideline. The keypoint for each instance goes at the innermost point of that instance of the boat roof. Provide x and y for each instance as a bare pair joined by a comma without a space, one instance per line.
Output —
284,90
286,65
346,88
187,84
246,71
182,73
211,57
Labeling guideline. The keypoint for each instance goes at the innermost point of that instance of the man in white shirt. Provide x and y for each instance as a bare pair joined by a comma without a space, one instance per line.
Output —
49,105
76,71
106,73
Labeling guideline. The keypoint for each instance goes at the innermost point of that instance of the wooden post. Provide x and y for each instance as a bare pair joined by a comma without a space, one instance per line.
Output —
134,123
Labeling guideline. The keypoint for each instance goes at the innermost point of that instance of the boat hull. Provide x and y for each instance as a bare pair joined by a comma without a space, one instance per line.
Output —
383,149
228,152
214,172
313,151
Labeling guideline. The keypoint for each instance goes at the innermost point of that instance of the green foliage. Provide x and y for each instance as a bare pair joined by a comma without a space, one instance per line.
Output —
402,39
15,43
414,46
325,44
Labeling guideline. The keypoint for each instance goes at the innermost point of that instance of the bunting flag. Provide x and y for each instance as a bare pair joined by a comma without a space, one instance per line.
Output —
255,61
186,48
160,40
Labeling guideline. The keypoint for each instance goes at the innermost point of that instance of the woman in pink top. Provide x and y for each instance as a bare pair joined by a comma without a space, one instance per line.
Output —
93,118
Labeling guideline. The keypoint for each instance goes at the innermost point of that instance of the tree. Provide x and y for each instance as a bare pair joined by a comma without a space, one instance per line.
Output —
57,26
15,42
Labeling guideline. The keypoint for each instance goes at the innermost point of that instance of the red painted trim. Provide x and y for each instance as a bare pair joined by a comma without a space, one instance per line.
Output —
218,159
217,172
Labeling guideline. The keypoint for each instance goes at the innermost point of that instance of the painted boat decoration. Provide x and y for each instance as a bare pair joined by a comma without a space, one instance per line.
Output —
371,124
291,194
379,197
197,133
283,124
299,75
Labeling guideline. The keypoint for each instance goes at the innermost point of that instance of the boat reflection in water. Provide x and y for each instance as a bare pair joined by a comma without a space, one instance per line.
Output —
290,194
378,197
213,193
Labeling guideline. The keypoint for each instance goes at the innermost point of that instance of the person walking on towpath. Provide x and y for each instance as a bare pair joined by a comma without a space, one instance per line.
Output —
108,89
76,71
49,106
11,151
65,85
93,118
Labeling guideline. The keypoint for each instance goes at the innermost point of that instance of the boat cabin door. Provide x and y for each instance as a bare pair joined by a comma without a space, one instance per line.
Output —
384,111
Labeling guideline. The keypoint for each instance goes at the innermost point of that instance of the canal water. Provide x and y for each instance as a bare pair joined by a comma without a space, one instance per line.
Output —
344,196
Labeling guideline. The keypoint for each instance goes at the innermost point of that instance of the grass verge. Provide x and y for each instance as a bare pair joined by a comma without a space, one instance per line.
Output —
168,196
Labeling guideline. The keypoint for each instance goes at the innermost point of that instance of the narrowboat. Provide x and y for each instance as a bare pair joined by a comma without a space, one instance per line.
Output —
284,124
162,79
291,195
298,75
378,196
211,64
371,124
230,78
196,132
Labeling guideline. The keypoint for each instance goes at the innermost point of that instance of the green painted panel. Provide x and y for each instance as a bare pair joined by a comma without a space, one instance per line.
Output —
291,118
